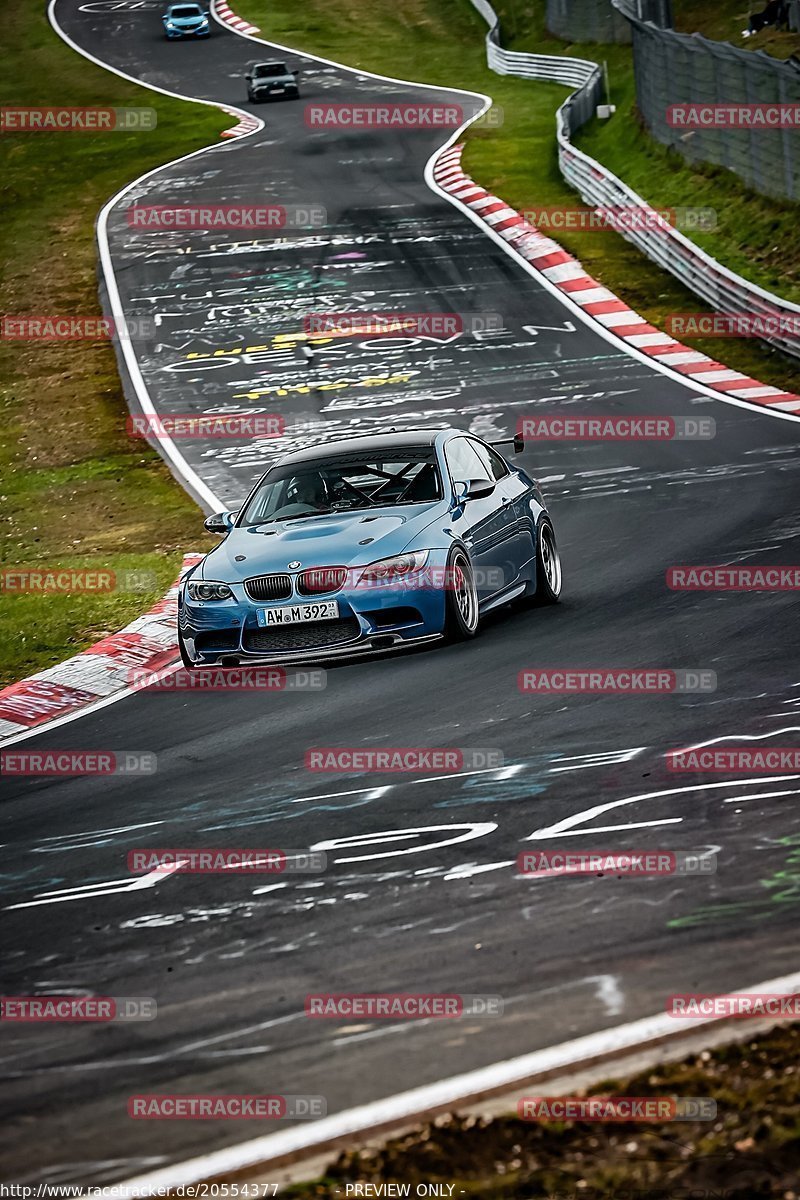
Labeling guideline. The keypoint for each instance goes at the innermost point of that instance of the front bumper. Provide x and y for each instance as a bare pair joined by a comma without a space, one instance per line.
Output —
273,93
176,35
370,619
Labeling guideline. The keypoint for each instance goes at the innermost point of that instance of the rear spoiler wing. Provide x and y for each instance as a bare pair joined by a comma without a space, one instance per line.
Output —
518,442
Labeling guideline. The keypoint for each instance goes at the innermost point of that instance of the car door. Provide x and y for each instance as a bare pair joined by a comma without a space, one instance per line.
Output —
512,488
486,524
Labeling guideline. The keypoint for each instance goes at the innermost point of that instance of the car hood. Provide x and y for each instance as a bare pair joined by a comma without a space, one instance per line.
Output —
335,540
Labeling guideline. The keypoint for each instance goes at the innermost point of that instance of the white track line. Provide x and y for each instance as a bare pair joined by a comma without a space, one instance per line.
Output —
419,1102
187,473
563,297
190,477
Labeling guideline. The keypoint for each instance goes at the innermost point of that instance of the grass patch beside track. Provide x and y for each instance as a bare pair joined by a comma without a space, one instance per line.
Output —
724,20
757,237
76,492
442,42
749,1152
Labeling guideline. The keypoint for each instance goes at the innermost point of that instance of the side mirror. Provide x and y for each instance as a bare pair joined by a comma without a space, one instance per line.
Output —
220,523
519,443
249,75
480,487
295,73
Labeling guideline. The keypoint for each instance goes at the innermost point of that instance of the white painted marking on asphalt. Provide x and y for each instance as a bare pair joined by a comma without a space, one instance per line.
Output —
742,737
170,450
66,837
473,830
470,869
88,891
762,796
371,794
443,1094
561,828
499,772
604,758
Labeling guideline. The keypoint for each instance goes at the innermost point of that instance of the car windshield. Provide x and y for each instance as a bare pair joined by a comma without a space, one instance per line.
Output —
186,10
357,481
268,69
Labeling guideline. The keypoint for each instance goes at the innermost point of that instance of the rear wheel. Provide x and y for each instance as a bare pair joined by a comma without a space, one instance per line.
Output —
461,598
548,565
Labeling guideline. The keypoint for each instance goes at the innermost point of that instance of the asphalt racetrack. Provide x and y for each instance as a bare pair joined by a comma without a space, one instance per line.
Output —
440,907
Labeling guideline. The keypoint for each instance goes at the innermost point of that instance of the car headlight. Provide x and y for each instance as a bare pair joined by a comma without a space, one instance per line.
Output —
208,590
393,570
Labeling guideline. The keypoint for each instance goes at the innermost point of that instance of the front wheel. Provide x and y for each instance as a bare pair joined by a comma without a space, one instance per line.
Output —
548,565
461,598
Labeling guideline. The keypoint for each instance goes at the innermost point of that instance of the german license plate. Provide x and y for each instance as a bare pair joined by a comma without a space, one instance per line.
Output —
291,614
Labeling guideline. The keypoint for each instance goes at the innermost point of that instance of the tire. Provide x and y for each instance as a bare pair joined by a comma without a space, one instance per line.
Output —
462,615
548,565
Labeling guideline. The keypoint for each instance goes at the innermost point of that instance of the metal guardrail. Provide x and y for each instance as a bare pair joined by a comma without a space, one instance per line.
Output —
723,290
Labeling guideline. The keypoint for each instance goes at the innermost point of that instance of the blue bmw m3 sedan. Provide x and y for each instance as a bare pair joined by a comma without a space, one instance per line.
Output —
369,544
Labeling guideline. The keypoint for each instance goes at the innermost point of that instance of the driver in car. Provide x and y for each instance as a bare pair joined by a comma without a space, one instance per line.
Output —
309,490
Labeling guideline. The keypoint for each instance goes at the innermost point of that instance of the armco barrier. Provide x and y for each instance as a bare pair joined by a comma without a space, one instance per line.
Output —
720,288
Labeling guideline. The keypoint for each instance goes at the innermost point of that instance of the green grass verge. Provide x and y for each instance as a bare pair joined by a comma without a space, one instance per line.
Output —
724,20
76,492
756,236
442,41
750,1151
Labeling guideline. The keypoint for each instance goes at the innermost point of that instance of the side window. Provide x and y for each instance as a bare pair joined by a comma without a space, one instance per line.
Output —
494,463
464,462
